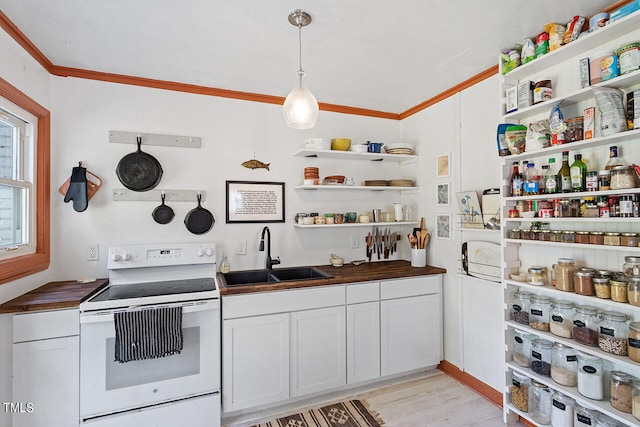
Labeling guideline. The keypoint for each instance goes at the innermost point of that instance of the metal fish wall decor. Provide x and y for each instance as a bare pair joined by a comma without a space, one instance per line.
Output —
255,164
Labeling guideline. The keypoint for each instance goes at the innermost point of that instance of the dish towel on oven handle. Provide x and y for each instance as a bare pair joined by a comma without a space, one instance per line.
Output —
148,333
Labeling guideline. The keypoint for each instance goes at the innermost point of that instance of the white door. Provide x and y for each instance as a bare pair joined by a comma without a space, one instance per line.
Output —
46,376
255,361
410,333
318,350
363,341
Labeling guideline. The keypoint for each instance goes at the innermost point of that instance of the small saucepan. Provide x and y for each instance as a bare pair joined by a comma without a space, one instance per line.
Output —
374,147
163,214
199,220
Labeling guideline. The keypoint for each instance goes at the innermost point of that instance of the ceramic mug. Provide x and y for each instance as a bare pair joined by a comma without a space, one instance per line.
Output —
351,216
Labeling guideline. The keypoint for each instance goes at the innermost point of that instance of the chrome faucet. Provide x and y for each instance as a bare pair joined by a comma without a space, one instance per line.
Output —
269,262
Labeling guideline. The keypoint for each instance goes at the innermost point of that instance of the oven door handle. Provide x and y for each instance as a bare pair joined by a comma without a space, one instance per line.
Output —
187,307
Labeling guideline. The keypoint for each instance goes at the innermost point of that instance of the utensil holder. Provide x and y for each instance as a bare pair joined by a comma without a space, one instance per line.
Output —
418,257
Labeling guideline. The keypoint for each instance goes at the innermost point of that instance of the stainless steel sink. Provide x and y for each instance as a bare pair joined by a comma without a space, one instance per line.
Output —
263,277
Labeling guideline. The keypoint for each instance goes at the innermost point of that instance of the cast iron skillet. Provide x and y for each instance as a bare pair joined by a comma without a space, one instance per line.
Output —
199,220
163,214
139,171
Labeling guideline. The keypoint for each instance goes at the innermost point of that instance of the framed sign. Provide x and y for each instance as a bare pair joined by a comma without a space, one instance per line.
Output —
251,201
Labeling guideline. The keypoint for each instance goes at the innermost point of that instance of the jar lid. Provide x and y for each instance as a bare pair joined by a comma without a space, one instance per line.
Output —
612,315
562,304
562,398
536,269
565,261
601,280
597,233
635,326
622,168
586,309
613,233
541,299
556,231
622,376
539,342
568,232
587,356
537,384
583,273
634,279
560,345
632,258
522,294
630,234
604,273
619,281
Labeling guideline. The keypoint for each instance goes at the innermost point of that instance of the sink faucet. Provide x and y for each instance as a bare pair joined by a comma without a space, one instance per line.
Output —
270,262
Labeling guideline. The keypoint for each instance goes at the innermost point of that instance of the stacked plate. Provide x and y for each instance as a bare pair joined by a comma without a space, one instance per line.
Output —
399,148
376,183
401,183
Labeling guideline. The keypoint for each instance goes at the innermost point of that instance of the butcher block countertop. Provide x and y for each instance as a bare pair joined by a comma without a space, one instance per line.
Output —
348,273
52,296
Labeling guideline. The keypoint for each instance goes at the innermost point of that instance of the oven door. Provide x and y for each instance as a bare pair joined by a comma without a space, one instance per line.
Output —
107,386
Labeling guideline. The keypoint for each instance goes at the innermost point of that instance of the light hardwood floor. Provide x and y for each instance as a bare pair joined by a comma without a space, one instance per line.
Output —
429,399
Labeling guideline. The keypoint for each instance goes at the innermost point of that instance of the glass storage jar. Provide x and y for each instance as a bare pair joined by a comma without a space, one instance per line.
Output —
545,235
629,239
560,314
520,391
619,288
603,420
633,291
585,325
540,402
631,266
620,390
520,307
537,275
584,417
635,405
541,356
564,365
590,376
568,236
514,233
582,237
556,235
633,342
612,238
601,287
582,283
562,410
563,274
539,312
596,238
522,348
622,177
613,333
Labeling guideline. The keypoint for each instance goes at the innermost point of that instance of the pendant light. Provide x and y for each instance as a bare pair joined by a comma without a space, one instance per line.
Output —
301,107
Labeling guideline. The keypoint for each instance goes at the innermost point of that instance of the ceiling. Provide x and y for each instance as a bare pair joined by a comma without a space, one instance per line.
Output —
378,55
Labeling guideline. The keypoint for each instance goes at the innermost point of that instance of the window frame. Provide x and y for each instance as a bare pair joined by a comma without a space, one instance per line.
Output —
25,265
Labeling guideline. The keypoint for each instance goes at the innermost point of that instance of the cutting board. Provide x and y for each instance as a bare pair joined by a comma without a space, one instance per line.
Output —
481,259
490,204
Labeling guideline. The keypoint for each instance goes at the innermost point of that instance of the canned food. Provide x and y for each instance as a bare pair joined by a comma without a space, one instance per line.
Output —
609,67
629,57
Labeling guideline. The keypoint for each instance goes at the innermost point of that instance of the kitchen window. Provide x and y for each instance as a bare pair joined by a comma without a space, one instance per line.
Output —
24,185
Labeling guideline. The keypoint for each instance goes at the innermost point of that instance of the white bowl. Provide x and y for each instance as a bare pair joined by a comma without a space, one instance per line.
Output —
359,148
337,262
529,214
518,277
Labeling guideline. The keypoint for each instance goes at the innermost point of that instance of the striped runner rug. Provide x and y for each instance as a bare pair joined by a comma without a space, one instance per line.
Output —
351,413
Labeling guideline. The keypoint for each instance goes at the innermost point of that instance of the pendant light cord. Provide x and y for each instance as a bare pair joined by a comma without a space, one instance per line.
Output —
300,71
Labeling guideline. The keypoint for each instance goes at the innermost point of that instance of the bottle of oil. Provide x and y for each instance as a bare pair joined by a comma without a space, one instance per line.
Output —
578,172
564,174
551,184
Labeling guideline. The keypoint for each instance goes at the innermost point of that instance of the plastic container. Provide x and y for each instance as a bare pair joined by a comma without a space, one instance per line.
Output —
613,333
633,342
540,397
541,356
560,314
563,273
564,365
629,57
590,376
621,391
585,325
539,312
520,391
562,410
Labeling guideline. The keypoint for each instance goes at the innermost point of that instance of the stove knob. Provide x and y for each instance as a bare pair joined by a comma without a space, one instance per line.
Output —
200,253
209,251
116,257
127,256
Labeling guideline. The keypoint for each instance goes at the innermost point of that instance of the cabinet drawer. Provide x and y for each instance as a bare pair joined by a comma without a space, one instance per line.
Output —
363,292
235,306
400,288
45,324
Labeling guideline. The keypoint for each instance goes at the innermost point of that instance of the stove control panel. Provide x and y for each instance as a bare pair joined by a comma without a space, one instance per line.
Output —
139,256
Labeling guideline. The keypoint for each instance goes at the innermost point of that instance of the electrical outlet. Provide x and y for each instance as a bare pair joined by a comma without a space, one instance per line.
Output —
355,241
241,247
93,253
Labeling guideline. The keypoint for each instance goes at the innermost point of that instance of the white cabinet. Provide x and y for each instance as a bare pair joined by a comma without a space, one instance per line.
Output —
411,324
255,361
363,332
519,254
46,362
318,350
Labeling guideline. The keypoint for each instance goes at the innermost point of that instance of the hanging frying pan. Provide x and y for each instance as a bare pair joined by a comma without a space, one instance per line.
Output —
139,171
199,220
163,214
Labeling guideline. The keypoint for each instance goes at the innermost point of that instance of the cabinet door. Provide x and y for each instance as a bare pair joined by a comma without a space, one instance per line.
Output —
255,361
482,315
46,382
411,333
363,341
318,350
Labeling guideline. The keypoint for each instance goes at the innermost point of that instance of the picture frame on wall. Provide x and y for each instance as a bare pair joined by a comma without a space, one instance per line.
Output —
469,210
443,165
443,226
443,194
253,201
